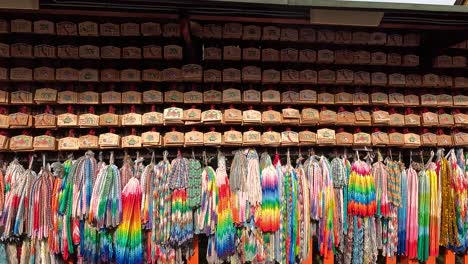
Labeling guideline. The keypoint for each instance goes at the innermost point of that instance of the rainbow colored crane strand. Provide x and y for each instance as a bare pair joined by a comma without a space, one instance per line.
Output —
225,230
40,213
423,215
128,237
270,210
361,190
434,211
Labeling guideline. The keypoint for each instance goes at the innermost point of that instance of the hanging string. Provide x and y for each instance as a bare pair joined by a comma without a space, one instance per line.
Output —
339,175
448,228
361,190
225,231
326,229
239,187
434,209
64,225
254,192
423,215
126,172
21,195
13,178
279,238
147,193
402,212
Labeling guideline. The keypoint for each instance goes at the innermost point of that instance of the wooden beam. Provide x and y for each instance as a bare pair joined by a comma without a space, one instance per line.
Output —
88,13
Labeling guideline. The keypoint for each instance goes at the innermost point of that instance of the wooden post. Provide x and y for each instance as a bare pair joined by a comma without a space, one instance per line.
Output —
194,258
465,259
449,257
431,260
311,253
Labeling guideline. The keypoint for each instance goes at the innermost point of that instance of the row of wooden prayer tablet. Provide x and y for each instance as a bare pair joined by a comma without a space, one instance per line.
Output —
248,74
193,116
227,31
230,96
232,137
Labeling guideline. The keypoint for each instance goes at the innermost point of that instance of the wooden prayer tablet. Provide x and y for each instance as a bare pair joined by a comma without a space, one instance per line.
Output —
111,97
173,52
4,26
444,100
231,75
290,97
271,33
21,74
131,119
88,142
66,74
88,28
362,139
410,60
251,54
45,120
44,51
307,56
4,50
194,138
360,38
152,118
251,74
289,55
192,73
413,80
362,78
394,40
326,136
232,31
173,96
459,61
271,117
289,76
411,100
109,30
307,96
307,35
344,57
361,57
212,53
430,80
172,75
380,117
110,75
232,53
171,30
412,120
20,120
429,100
327,117
308,77
344,98
212,97
360,98
289,138
379,79
88,75
44,74
326,76
151,75
429,139
109,140
152,97
44,142
344,139
193,97
212,138
379,98
377,38
443,61
89,52
67,52
130,29
343,37
44,27
270,55
151,29
212,31
4,97
67,28
21,97
325,56
88,97
411,40
271,138
289,34
212,76
396,79
232,116
251,96
307,138
251,138
21,50
45,95
460,82
394,59
21,143
110,52
271,97
131,53
20,26
460,139
344,76
151,139
446,120
67,97
378,58
252,32
326,36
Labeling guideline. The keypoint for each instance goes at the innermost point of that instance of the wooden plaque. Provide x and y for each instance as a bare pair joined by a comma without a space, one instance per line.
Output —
21,74
379,98
89,52
344,76
307,35
252,32
310,116
67,52
66,74
232,31
380,117
232,95
109,120
344,98
21,97
109,140
326,98
88,120
111,97
45,95
44,74
151,139
67,28
212,138
412,120
251,96
44,142
411,140
212,53
232,53
344,139
251,54
20,120
378,58
173,52
411,100
131,53
344,57
430,80
88,75
327,117
130,75
192,115
232,116
429,139
110,75
4,26
110,52
4,50
343,37
212,97
251,74
394,40
151,75
413,80
212,116
379,78
151,29
377,38
396,139
446,120
88,97
308,77
109,30
326,36
289,138
212,31
326,136
67,97
307,96
326,76
67,120
231,75
44,27
45,120
271,117
20,26
289,55
459,61
444,100
131,97
251,138
152,97
289,34
394,59
271,97
194,138
428,100
410,60
430,119
307,56
271,33
362,78
289,97
325,56
195,97
192,73
21,50
131,141
131,119
88,28
270,55
152,119
4,97
396,79
271,76
307,138
21,143
173,96
44,51
361,57
130,29
411,40
88,142
212,76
